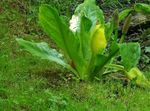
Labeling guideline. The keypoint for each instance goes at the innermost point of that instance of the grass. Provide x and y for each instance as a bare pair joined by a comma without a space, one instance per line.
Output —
30,84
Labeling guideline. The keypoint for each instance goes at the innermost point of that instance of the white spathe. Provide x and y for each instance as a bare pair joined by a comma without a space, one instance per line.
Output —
74,23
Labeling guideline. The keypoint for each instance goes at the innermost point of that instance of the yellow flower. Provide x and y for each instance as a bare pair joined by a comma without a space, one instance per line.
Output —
135,73
98,43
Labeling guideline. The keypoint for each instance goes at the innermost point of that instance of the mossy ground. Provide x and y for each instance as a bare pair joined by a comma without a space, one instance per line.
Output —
30,84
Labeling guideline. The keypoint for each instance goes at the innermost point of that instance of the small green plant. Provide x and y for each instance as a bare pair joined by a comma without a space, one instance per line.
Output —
89,44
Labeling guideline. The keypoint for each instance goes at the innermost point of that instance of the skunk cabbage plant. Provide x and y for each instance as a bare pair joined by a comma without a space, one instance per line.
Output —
88,43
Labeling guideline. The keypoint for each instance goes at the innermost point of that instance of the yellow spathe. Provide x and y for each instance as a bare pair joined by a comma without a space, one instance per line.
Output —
98,43
135,73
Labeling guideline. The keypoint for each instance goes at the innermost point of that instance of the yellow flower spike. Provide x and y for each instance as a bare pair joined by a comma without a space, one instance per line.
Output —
134,73
98,43
140,78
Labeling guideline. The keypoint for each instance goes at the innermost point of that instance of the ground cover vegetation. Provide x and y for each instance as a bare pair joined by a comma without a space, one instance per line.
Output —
110,82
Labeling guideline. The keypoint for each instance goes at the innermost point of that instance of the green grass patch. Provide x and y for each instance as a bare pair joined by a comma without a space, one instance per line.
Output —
30,84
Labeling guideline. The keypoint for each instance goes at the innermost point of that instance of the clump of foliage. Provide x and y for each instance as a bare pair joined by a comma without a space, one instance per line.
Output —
89,44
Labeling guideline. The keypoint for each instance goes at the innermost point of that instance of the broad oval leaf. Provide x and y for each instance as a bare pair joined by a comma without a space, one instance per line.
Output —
43,51
130,54
84,37
90,10
57,29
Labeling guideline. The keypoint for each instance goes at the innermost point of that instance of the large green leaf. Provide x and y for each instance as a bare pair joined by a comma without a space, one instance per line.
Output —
56,28
130,54
52,24
43,51
90,10
82,30
85,37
